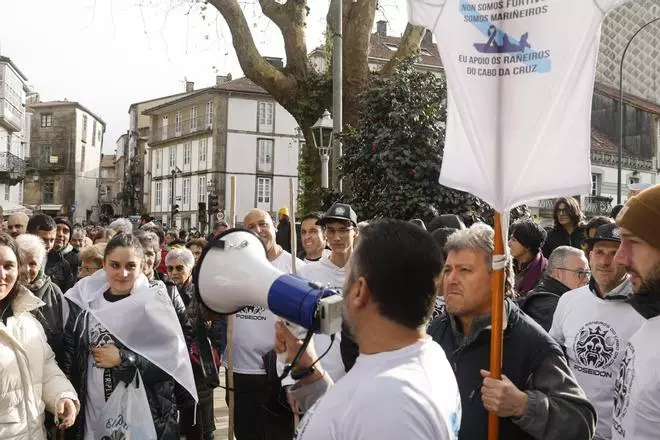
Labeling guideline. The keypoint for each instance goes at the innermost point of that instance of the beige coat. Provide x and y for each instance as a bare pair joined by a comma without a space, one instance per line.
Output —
30,380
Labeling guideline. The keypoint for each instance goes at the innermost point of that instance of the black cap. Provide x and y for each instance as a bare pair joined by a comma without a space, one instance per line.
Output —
63,221
609,232
339,211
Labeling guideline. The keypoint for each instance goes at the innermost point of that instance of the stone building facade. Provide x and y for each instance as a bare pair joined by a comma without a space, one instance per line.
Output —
64,163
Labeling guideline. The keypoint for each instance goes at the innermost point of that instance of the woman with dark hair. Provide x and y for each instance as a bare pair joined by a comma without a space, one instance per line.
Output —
196,246
30,380
121,324
567,229
526,237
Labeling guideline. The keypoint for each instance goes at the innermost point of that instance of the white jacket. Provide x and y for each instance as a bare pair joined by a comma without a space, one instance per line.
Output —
30,380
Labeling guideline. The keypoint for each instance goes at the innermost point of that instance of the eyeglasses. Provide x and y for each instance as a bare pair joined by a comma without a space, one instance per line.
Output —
562,211
342,232
178,268
581,273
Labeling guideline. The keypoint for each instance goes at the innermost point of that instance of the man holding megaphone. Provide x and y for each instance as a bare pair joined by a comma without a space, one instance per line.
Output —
402,386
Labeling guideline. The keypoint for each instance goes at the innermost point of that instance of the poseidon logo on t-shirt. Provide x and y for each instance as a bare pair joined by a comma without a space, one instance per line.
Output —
254,313
622,388
596,347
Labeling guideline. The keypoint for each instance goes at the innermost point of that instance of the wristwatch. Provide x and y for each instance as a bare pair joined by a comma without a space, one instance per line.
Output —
127,358
301,374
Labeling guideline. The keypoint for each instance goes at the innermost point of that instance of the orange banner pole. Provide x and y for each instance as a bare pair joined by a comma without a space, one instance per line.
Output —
497,324
229,352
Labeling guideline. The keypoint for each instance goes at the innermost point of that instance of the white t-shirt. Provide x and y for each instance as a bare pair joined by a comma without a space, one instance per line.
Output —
520,77
327,274
637,388
254,328
595,332
408,394
96,386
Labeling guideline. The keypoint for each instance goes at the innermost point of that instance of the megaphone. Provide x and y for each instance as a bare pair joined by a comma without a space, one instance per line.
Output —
234,272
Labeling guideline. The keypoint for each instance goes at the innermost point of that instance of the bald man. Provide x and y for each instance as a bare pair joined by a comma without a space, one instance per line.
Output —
17,224
257,411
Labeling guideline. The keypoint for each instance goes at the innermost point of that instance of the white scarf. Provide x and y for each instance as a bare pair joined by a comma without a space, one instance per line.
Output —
145,322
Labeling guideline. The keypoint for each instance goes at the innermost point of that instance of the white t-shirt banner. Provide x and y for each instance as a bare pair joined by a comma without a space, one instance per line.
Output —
520,77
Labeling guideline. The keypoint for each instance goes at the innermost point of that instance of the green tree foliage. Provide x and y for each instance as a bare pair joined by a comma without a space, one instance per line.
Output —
393,157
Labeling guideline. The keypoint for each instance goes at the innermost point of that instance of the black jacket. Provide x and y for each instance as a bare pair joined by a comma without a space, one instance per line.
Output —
540,303
159,386
50,315
72,256
558,236
59,270
284,234
526,346
180,308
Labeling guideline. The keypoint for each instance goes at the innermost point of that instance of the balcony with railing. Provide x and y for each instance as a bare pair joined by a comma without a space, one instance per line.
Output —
12,168
591,206
545,207
611,159
185,128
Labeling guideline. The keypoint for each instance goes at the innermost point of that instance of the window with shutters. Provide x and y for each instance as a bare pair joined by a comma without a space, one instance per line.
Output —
193,118
187,147
172,156
177,123
209,113
159,193
264,185
265,116
186,190
203,149
265,155
201,189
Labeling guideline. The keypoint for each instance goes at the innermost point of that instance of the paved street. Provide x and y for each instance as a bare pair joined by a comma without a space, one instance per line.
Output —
221,410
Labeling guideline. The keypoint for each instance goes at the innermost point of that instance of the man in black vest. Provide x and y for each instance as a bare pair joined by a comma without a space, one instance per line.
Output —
538,396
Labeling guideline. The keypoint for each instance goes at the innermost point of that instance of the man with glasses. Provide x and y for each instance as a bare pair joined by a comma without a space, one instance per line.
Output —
593,323
567,269
340,223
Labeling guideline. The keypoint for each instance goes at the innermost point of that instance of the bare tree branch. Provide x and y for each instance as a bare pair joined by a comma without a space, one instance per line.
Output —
253,64
290,19
412,37
358,21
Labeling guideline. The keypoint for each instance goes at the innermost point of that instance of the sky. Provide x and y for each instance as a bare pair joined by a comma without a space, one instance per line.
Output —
108,54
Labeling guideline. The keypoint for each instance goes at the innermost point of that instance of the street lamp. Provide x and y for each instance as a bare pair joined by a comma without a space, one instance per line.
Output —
175,208
321,131
620,149
211,201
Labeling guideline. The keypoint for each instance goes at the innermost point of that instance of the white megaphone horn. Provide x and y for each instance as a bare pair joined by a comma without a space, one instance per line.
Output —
234,272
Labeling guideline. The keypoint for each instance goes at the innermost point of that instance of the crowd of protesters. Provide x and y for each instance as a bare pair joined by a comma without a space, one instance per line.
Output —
78,317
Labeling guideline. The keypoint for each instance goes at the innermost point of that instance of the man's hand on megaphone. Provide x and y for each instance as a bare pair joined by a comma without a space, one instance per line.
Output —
287,342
